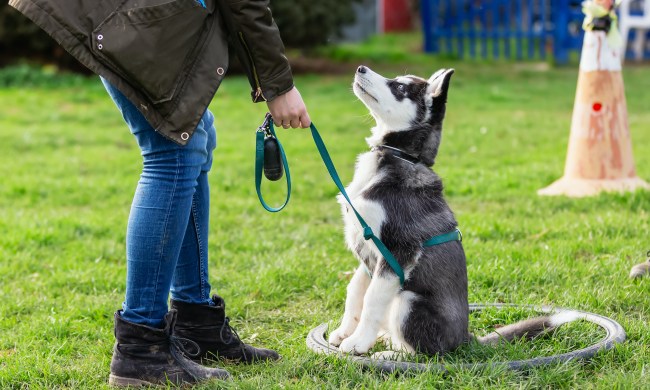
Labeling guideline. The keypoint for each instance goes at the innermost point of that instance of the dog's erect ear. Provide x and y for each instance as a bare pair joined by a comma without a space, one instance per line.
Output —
439,83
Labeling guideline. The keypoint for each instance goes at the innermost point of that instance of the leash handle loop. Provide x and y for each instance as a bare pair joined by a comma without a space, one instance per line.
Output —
267,129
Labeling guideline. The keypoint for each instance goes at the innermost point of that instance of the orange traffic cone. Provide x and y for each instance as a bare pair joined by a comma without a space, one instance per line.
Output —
599,156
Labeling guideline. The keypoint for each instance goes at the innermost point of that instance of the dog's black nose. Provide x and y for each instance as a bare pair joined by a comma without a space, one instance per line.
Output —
362,69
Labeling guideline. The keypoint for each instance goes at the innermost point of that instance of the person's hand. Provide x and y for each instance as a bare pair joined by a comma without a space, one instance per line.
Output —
288,110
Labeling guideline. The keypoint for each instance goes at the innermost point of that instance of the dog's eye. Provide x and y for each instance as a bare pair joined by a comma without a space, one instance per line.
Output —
401,87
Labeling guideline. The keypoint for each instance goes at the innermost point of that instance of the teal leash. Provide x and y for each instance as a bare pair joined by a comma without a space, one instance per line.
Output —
368,234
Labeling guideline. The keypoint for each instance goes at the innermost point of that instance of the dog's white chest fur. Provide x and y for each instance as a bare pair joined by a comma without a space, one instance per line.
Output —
365,175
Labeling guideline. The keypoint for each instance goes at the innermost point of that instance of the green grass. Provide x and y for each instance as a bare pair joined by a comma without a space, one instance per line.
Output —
68,169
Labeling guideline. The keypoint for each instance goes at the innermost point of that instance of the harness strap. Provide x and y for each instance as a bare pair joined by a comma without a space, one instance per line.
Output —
455,235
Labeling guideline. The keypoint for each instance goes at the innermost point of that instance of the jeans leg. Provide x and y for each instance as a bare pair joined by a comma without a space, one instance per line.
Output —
160,212
190,283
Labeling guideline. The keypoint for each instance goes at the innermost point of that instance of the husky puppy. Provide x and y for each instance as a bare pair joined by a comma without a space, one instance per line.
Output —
400,198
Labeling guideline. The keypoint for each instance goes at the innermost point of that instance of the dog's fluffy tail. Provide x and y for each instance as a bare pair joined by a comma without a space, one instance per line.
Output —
529,328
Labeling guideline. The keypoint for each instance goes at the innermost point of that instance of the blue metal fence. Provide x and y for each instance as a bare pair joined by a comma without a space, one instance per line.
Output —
516,29
636,9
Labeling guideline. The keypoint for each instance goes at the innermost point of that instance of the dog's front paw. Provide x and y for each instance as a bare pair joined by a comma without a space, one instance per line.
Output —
337,336
357,344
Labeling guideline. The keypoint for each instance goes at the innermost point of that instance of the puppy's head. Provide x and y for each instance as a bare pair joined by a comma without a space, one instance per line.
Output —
404,102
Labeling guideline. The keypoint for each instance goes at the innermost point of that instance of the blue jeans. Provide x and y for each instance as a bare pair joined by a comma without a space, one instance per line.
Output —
167,233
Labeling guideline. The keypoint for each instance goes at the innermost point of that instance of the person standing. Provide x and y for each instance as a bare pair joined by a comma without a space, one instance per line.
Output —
161,62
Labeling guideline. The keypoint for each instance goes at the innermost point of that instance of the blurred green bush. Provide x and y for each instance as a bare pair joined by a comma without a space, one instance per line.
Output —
306,24
21,39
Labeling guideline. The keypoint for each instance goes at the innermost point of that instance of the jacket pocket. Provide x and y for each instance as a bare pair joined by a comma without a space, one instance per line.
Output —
152,46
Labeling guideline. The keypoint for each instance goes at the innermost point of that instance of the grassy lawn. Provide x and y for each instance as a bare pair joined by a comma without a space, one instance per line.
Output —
68,169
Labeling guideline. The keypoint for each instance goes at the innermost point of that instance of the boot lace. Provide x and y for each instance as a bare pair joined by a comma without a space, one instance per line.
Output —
187,347
229,332
232,336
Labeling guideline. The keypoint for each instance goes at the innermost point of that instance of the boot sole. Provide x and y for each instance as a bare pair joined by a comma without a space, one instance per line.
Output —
118,381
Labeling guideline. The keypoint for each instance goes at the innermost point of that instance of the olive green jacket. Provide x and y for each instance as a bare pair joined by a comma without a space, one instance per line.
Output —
168,56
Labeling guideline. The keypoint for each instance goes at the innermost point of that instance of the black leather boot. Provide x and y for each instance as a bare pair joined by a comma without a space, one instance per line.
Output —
209,327
145,356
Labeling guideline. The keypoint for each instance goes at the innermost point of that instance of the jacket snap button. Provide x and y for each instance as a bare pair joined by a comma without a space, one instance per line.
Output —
220,71
185,136
100,46
100,37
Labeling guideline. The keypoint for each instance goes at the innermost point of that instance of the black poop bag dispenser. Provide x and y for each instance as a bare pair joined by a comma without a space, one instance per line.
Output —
272,159
272,155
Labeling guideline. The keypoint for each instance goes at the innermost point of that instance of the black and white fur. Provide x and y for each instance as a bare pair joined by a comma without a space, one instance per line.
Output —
403,203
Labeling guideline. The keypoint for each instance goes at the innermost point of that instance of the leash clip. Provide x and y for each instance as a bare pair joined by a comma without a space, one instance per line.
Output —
265,127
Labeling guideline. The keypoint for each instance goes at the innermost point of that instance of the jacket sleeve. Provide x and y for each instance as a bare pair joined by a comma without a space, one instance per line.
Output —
256,39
